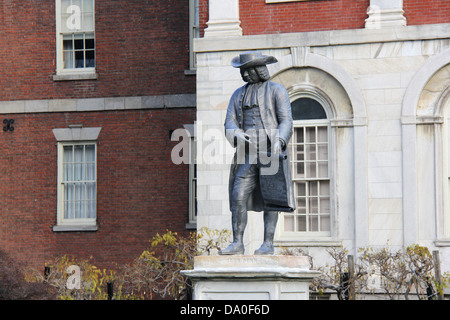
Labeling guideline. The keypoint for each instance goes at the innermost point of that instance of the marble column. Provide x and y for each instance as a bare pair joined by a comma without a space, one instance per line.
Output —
223,19
385,13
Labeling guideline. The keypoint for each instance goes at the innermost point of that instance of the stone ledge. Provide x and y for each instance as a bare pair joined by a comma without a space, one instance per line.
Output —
99,104
251,267
74,228
323,38
75,76
251,261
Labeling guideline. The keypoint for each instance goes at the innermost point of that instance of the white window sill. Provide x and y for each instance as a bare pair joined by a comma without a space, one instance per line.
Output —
191,226
442,243
190,72
68,228
75,76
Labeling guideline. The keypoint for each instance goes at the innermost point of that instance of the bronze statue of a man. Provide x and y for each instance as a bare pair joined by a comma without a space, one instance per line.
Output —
259,125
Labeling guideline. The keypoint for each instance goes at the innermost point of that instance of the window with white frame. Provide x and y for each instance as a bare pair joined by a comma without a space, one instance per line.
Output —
191,148
192,181
75,27
194,30
309,150
77,183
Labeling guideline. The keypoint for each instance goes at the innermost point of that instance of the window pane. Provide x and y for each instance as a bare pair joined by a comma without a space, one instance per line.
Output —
289,223
307,109
90,59
300,170
299,135
301,189
78,42
322,134
325,223
301,205
79,59
322,152
324,188
90,43
67,42
324,205
313,223
64,5
300,152
68,51
90,162
311,170
313,205
79,163
310,152
91,209
310,134
76,3
301,223
88,5
68,200
323,169
88,22
313,188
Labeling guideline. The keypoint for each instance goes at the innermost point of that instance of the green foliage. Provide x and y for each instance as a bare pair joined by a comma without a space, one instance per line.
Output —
156,273
402,274
93,279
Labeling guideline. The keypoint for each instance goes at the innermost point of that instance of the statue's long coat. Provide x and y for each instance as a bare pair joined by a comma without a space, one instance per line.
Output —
276,115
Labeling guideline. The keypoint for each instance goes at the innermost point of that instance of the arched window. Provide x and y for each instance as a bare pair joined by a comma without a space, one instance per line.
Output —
309,151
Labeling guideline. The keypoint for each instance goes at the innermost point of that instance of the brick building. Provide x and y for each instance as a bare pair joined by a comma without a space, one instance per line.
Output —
91,91
373,168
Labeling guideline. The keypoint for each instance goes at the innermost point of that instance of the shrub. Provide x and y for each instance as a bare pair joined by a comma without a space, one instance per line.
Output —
13,284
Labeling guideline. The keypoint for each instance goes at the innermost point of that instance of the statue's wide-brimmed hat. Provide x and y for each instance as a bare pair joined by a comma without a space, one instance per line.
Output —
252,59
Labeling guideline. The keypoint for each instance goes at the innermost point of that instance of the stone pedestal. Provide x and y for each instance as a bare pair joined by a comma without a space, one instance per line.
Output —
250,277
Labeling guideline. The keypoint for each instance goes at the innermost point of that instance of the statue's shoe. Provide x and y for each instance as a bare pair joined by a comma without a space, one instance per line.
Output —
233,248
265,249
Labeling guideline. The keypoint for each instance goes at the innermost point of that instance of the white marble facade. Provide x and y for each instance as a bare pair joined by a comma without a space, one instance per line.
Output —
389,92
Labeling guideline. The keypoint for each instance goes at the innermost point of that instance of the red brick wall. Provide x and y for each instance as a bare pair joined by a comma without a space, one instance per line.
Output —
142,49
140,191
203,15
257,17
426,12
260,18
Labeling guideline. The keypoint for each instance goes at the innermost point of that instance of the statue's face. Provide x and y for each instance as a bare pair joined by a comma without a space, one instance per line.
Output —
250,75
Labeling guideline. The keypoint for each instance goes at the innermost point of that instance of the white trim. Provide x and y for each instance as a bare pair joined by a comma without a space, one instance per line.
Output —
303,58
223,19
409,120
420,79
63,224
190,129
328,66
323,38
311,92
192,28
63,74
76,134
